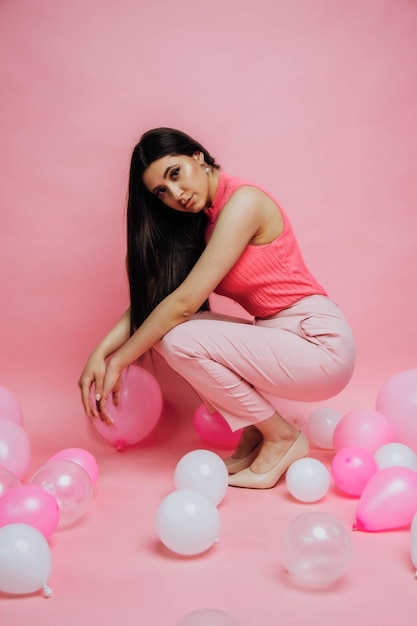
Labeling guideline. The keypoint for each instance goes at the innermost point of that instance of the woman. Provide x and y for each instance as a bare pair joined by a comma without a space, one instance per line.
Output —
194,230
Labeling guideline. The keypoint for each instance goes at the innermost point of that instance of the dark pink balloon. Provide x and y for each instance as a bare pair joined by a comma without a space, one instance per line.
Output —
32,505
352,468
213,429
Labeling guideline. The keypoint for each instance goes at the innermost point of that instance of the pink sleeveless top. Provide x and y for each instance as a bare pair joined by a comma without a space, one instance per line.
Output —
266,278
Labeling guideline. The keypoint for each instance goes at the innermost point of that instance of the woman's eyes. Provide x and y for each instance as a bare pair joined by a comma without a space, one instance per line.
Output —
173,175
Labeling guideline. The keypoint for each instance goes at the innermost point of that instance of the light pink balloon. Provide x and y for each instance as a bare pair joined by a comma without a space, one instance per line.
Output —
32,505
70,484
362,428
138,411
352,468
82,457
213,429
8,480
10,408
15,448
388,501
397,400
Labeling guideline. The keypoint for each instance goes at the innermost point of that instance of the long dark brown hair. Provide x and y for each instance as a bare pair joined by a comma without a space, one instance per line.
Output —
162,244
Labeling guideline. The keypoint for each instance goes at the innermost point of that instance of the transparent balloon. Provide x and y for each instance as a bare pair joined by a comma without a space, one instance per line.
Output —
25,559
71,486
8,481
213,429
396,454
316,550
203,471
362,428
397,400
84,458
138,411
208,617
188,522
10,408
30,504
321,425
307,480
352,468
15,449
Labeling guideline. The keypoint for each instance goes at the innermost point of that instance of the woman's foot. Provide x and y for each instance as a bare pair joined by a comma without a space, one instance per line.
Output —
246,451
273,460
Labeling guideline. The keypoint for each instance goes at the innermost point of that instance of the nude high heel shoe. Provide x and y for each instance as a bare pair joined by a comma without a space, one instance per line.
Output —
251,480
236,465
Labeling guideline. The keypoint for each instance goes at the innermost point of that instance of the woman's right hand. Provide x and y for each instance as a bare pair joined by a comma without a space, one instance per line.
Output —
93,373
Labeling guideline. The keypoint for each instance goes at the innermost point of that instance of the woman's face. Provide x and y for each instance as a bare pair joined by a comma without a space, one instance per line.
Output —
180,182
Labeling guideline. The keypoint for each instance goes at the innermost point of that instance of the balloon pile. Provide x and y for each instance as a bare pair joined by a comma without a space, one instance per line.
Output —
374,461
137,412
57,495
188,520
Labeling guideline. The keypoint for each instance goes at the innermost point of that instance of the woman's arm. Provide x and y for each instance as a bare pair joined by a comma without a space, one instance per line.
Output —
243,218
95,368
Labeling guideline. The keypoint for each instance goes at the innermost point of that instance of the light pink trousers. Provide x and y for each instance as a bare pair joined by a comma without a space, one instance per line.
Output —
304,353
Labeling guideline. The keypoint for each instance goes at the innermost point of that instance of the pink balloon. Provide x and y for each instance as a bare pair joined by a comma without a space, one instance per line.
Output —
7,481
138,412
213,428
363,428
388,501
10,408
397,400
70,484
352,468
32,505
82,457
15,448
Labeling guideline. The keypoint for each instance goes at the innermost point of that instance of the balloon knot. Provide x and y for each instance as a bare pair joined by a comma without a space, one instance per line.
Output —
355,527
415,575
47,591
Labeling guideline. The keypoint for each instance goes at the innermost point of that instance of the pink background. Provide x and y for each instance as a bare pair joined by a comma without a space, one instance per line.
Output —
316,101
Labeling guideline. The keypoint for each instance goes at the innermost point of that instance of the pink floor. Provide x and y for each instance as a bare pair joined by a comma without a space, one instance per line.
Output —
317,102
111,567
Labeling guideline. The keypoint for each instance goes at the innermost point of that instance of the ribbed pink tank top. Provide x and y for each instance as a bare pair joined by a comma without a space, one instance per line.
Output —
266,278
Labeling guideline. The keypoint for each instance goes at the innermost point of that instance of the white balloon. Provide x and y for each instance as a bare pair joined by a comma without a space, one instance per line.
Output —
397,455
188,522
208,617
205,472
25,559
321,424
414,542
308,480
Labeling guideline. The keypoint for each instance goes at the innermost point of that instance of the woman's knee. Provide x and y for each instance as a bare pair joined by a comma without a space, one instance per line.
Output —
177,343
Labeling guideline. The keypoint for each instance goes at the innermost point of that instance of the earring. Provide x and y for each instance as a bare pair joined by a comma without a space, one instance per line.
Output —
207,170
